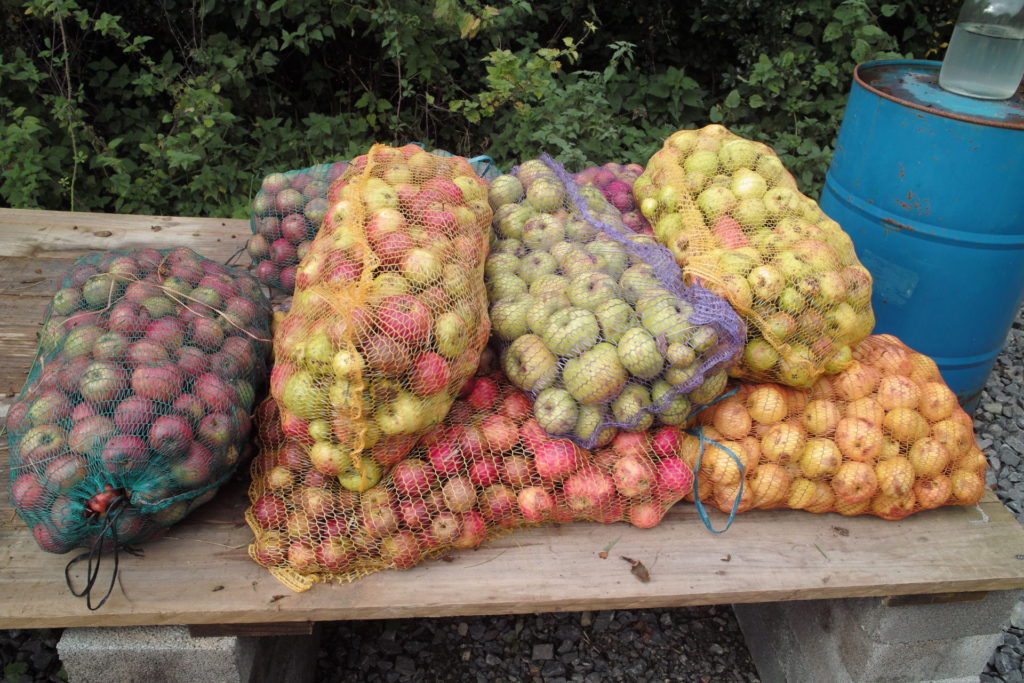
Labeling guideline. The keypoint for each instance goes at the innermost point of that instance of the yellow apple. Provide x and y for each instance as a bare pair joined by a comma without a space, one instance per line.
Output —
821,416
867,409
854,482
856,381
932,492
897,391
972,461
893,507
784,442
852,509
929,457
767,404
937,401
905,424
725,497
967,487
954,435
769,484
895,476
820,458
731,418
858,439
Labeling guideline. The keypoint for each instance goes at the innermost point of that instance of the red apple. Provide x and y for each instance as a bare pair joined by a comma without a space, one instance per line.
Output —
161,383
65,472
588,491
27,493
192,361
474,530
87,436
446,458
404,317
124,453
196,468
484,472
412,478
666,441
517,407
390,357
674,478
146,352
535,504
556,459
430,374
215,393
516,470
401,551
484,394
498,504
500,433
134,414
459,494
170,435
446,528
128,317
215,431
414,513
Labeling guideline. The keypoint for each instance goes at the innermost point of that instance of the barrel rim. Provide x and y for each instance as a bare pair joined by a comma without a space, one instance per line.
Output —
913,105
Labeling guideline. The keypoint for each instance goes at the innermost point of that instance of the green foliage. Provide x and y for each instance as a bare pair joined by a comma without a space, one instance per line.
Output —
173,107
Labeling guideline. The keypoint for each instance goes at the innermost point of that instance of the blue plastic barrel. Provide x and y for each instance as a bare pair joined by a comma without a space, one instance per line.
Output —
930,187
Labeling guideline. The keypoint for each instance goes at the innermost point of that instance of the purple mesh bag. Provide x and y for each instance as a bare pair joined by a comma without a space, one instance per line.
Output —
595,322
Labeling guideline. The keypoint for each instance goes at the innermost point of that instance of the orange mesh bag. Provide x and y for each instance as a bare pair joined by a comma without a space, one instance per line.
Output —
595,322
389,314
884,437
487,468
734,220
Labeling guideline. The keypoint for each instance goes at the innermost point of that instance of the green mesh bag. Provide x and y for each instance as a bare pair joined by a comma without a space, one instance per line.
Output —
137,406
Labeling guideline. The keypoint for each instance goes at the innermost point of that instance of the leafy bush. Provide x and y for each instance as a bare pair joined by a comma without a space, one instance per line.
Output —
174,107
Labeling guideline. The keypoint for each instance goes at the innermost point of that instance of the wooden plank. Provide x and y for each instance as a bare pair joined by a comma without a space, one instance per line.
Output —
200,572
59,234
933,599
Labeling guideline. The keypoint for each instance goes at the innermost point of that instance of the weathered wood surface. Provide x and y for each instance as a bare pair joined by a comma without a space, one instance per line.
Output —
200,572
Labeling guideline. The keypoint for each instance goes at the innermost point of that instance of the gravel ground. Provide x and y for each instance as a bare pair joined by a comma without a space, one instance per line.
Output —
684,644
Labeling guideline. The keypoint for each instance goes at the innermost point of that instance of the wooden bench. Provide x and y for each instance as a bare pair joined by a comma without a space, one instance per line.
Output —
200,572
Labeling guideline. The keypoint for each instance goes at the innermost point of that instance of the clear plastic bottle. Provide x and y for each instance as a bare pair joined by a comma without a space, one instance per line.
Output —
985,57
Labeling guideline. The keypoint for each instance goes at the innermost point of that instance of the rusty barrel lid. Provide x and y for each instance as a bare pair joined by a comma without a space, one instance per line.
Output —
915,83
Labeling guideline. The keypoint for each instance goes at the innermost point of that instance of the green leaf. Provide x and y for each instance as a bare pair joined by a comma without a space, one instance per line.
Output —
732,100
832,31
888,10
755,101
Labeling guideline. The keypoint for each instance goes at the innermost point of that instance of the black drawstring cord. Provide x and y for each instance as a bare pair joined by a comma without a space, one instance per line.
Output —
95,555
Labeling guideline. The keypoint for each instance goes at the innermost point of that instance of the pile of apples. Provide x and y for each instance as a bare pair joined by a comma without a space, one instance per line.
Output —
735,221
489,466
616,184
589,329
389,314
286,214
147,371
884,437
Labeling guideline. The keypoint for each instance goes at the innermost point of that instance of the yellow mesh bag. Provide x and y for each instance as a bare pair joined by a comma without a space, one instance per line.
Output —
735,221
884,437
488,468
389,314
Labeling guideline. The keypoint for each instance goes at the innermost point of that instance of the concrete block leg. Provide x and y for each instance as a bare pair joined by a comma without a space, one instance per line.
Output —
168,653
863,640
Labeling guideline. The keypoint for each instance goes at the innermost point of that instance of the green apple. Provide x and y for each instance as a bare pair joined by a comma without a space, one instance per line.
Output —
680,355
843,321
638,353
666,315
403,415
781,201
542,231
505,189
552,282
797,367
588,418
629,406
596,376
556,411
571,331
579,230
508,319
452,332
738,261
737,291
595,200
390,284
711,389
769,167
678,409
615,317
305,395
766,283
759,355
471,186
535,264
560,249
361,477
510,219
542,307
317,353
508,245
588,290
735,154
344,396
701,161
320,430
767,242
546,194
611,256
750,213
505,285
839,361
499,263
715,201
347,363
528,363
668,225
636,280
679,375
578,261
377,194
831,288
703,338
747,184
459,279
791,301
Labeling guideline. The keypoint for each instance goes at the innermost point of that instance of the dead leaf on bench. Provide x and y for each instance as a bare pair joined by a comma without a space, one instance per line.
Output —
637,569
604,553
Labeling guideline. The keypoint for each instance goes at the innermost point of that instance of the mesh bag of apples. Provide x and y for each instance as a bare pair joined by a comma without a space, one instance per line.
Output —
594,319
884,437
735,221
389,314
286,214
137,405
489,467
